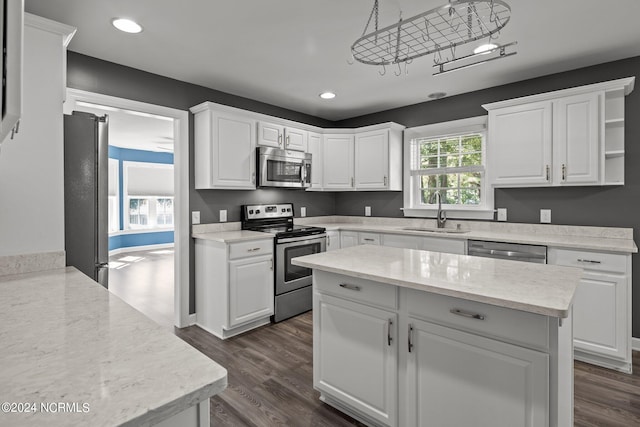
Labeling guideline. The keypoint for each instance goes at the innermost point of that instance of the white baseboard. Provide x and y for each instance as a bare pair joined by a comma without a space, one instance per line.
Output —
635,344
193,318
141,248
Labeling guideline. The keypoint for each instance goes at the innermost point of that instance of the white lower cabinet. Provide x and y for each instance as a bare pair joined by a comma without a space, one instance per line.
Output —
459,379
356,362
333,240
348,239
234,285
601,307
249,298
392,356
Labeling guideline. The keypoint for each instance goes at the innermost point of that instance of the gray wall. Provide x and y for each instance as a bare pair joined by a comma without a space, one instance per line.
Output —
598,206
605,206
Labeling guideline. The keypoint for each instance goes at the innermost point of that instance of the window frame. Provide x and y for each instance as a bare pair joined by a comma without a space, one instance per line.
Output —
411,197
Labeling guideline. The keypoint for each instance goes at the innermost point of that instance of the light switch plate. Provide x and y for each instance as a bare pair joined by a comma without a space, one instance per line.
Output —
223,215
367,211
502,214
195,217
545,216
303,212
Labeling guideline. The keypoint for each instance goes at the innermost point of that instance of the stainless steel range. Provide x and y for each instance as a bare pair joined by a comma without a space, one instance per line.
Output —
292,283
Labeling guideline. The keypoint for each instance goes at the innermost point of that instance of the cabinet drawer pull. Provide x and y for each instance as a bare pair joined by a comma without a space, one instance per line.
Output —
369,240
590,261
253,249
350,287
410,343
389,325
468,314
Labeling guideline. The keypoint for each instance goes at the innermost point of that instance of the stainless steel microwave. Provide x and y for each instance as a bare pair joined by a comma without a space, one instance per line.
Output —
283,168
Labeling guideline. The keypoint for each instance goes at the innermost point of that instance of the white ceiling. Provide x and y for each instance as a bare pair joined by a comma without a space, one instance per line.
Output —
285,52
132,129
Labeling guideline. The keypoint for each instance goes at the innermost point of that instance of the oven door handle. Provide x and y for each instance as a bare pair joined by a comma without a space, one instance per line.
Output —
303,239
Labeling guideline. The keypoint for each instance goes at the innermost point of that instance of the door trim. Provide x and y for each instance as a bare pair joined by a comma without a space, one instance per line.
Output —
181,185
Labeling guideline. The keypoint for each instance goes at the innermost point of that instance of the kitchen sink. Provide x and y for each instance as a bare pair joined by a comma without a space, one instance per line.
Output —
436,230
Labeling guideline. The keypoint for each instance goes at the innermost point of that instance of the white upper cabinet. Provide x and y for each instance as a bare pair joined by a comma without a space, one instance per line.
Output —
278,136
338,171
520,145
569,137
314,147
224,150
370,160
577,140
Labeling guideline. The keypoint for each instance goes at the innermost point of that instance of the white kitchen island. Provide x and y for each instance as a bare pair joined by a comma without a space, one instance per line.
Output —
73,354
405,337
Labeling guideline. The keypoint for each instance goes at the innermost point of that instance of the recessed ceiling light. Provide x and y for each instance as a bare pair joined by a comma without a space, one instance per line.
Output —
485,48
327,95
436,95
127,25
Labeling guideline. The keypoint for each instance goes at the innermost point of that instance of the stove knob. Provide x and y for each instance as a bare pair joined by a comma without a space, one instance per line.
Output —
258,211
251,212
288,209
283,209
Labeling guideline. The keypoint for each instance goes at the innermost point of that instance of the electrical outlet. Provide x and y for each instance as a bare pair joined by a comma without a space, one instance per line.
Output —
545,216
367,211
195,217
223,215
502,214
303,212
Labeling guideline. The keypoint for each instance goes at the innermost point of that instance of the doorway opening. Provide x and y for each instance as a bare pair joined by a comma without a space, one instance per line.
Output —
148,204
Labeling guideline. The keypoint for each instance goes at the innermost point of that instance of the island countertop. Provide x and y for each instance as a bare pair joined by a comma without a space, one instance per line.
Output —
66,339
535,288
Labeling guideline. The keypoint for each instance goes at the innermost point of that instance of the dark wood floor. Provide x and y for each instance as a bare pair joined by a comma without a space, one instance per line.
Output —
270,382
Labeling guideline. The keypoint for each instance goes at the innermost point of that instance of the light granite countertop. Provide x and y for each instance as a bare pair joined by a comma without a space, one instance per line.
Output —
534,288
233,236
67,339
523,234
608,239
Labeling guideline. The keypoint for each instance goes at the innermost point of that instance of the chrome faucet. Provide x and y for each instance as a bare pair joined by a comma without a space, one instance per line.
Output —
441,216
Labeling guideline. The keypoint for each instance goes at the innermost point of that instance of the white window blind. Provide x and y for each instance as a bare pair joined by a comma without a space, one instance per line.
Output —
149,180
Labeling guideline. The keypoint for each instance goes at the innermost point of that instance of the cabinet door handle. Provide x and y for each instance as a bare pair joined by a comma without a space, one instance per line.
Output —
590,261
369,240
328,240
253,249
564,172
350,287
547,172
271,264
410,342
279,138
385,180
253,177
352,181
389,338
468,314
288,141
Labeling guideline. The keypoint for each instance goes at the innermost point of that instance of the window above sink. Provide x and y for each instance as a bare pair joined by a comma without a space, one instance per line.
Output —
448,158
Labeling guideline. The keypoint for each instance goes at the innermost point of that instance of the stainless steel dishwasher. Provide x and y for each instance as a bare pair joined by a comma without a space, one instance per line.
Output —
510,251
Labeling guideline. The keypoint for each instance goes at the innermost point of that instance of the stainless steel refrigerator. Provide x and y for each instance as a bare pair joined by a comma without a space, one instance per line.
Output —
86,217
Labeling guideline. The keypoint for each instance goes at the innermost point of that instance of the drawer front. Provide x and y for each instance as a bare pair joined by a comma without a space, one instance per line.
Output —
368,238
483,319
356,289
596,261
250,248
